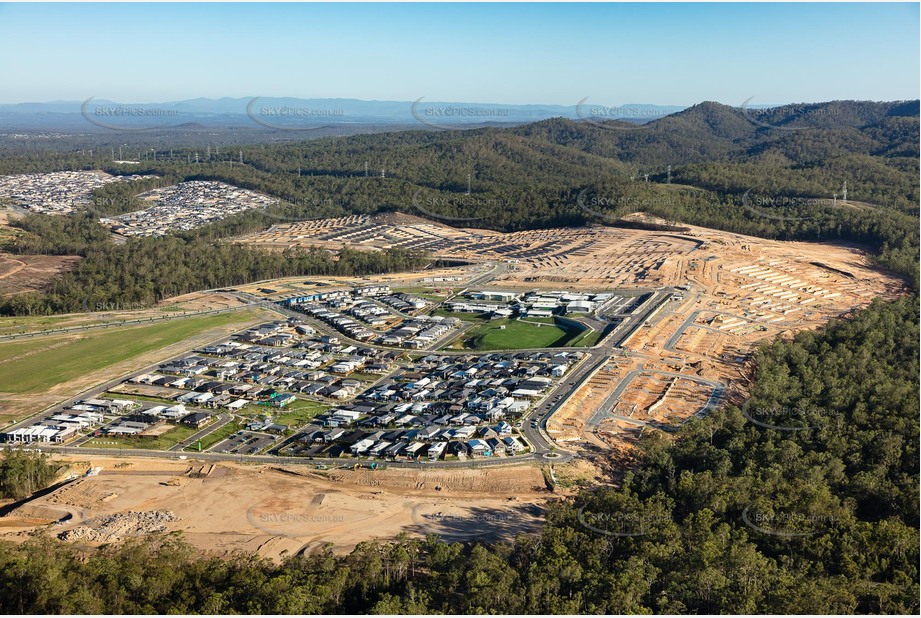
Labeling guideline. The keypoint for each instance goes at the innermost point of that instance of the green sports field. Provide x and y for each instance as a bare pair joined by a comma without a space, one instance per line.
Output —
516,334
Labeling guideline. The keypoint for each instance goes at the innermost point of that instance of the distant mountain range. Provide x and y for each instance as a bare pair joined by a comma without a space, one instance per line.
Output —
294,113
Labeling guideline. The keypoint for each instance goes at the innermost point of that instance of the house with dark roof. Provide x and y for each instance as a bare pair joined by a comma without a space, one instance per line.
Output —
196,419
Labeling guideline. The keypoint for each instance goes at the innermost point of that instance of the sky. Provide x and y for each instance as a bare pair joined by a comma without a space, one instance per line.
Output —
666,54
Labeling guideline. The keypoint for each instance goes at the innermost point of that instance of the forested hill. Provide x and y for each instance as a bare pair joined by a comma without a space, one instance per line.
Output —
813,509
777,173
771,173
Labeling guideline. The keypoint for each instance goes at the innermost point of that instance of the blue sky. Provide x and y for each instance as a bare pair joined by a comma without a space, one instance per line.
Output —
669,54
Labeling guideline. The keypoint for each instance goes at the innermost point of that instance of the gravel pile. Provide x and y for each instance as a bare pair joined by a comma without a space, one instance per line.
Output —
113,527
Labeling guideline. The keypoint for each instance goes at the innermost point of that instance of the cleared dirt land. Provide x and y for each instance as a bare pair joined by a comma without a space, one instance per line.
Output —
29,273
271,511
26,273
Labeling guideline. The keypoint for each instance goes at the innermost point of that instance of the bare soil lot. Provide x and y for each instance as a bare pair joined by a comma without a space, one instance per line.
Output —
30,273
272,511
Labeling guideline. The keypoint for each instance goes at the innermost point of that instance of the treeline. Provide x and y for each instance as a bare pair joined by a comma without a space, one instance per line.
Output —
22,474
57,235
144,271
802,501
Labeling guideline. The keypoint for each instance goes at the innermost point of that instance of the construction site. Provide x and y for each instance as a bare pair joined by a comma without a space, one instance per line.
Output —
729,292
604,257
276,511
714,297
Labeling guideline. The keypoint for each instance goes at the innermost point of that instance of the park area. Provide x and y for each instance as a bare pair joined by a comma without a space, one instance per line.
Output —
300,412
170,437
511,334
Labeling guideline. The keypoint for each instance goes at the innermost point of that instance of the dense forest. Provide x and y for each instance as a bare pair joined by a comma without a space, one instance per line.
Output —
777,176
22,474
144,271
811,509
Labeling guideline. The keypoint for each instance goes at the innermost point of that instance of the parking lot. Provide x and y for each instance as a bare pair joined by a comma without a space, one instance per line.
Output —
244,443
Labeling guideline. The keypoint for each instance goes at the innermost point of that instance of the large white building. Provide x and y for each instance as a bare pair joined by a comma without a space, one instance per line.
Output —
580,306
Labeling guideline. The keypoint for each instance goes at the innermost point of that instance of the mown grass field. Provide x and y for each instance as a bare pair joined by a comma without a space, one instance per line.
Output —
587,339
517,334
216,436
37,323
300,412
469,317
34,365
159,443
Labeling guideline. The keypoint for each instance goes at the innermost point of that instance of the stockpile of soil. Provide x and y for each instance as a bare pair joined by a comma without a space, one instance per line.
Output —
113,527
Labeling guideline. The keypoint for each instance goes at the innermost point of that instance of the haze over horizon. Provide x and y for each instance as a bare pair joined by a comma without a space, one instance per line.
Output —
544,54
752,103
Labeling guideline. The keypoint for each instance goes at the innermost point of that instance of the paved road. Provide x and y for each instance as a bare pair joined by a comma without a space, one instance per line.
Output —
222,420
673,340
534,423
605,410
267,459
